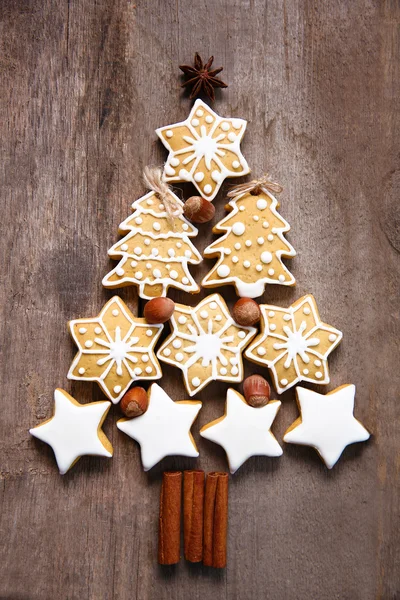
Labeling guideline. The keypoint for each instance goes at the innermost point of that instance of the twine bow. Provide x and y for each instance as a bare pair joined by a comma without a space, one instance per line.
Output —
152,177
256,186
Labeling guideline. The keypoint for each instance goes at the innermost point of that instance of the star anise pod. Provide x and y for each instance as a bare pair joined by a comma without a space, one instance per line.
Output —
201,78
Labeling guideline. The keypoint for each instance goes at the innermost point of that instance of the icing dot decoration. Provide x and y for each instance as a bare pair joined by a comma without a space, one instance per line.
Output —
223,271
261,204
266,257
239,228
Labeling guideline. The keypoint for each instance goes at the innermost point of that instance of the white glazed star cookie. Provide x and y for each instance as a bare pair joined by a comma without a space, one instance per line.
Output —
326,422
204,149
294,343
164,429
115,349
74,430
206,343
250,251
244,431
154,255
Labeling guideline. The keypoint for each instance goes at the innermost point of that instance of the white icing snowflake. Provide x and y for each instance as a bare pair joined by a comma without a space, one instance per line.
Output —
115,349
294,343
206,343
204,149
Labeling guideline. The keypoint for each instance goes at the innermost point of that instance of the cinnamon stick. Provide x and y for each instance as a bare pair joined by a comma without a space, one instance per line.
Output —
169,530
193,509
215,520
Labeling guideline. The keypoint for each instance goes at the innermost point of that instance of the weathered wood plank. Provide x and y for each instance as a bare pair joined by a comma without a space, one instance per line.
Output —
84,84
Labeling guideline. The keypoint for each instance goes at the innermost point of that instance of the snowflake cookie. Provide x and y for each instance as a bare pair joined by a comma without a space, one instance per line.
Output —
244,431
74,430
206,343
250,251
294,343
327,422
115,349
204,149
153,255
164,429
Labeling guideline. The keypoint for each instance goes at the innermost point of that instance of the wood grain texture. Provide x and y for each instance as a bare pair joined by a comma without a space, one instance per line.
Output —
84,83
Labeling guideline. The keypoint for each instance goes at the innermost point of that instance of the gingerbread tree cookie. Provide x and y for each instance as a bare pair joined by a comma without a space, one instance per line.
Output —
206,343
115,349
154,254
204,149
250,251
294,343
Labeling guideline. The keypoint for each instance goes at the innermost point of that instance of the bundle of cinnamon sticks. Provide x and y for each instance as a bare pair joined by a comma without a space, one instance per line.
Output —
205,517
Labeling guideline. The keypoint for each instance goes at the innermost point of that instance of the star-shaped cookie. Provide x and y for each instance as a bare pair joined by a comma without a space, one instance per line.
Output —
326,423
74,430
164,429
206,343
294,343
244,431
115,349
204,149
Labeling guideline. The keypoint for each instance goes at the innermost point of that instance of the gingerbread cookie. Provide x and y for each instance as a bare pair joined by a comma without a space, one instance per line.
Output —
74,430
326,422
204,149
115,349
154,255
206,343
244,431
294,344
164,429
250,251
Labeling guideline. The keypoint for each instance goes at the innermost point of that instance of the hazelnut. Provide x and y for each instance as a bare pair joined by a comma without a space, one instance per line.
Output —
246,312
135,402
198,209
158,310
256,391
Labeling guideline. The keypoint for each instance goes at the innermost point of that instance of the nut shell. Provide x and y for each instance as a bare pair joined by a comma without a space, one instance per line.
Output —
256,391
198,209
135,402
158,310
246,312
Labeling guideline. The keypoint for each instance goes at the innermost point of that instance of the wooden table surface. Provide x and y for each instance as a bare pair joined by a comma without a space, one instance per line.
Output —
84,84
